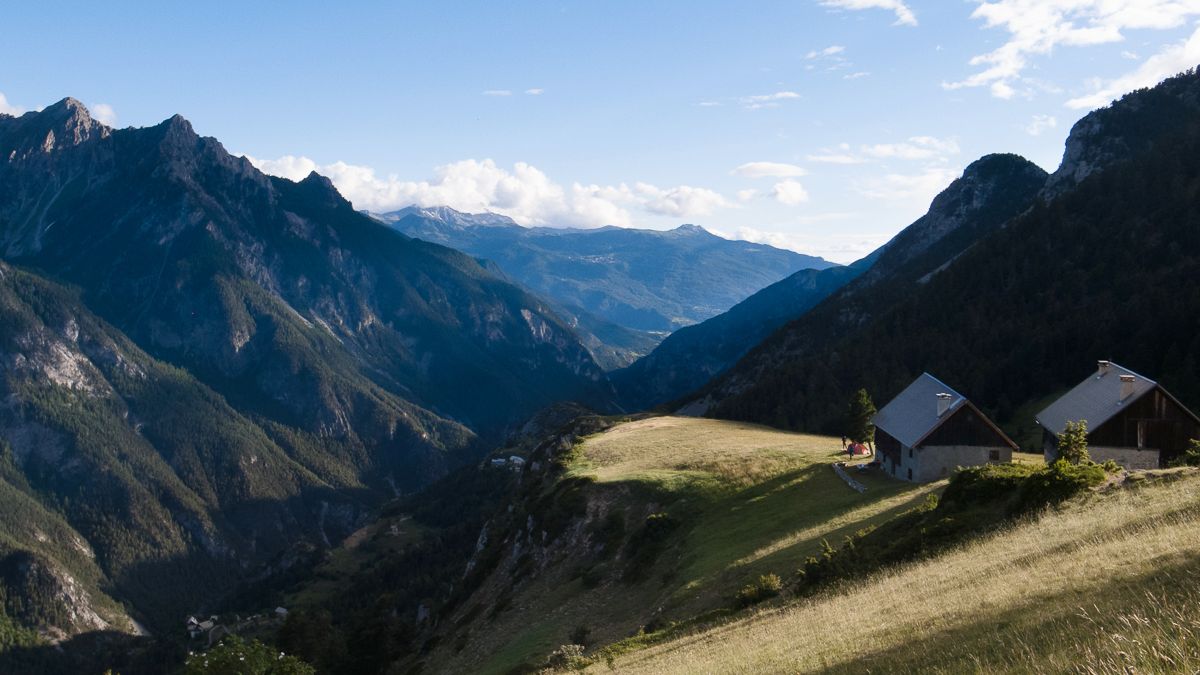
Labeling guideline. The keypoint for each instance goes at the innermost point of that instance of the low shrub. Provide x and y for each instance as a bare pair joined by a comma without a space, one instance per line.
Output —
567,658
763,588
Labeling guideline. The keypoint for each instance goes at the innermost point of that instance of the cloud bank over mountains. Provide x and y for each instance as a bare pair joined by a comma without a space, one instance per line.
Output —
524,192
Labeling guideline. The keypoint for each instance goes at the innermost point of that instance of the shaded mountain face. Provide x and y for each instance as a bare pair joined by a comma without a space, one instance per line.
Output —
693,355
641,279
278,294
1102,268
990,191
247,364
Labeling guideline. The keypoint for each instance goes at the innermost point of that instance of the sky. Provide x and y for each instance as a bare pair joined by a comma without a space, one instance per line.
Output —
823,126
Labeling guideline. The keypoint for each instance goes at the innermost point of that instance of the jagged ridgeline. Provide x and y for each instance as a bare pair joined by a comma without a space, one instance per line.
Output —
1099,262
227,364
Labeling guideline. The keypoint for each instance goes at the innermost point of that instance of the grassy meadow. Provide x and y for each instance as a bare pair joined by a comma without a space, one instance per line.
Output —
749,500
1109,583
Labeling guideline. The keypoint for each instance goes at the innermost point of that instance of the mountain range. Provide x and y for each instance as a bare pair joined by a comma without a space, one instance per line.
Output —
206,366
626,287
223,391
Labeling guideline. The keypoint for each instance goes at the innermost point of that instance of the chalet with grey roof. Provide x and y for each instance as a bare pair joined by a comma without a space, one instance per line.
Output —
1131,419
929,430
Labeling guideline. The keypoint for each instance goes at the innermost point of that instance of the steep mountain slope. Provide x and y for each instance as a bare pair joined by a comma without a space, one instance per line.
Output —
693,355
1103,269
641,279
278,294
119,472
990,191
249,364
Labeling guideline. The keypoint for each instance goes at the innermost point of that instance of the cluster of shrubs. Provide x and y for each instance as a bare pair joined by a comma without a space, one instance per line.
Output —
976,500
763,588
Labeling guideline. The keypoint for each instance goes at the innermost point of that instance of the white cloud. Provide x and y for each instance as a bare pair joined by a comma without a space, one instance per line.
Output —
524,193
104,113
1171,60
680,201
769,170
855,76
747,195
916,147
535,91
1040,123
904,15
7,108
789,192
497,92
708,104
828,242
1037,27
919,187
831,157
768,100
831,50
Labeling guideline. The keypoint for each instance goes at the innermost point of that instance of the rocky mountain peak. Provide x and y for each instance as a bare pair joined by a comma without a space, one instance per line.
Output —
66,123
1129,126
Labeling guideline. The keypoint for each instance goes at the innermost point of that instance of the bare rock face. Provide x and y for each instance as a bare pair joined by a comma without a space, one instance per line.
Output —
1125,128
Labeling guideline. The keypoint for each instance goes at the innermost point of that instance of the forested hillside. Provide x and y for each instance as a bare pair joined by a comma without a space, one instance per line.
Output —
1104,268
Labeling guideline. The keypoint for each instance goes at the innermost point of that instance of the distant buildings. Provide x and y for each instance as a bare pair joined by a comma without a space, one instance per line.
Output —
929,430
1131,419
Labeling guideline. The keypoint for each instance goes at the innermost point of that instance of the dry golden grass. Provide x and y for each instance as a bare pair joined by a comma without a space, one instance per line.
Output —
1111,584
732,453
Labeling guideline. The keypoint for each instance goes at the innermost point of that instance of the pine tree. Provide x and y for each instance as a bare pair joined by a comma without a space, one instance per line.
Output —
1072,443
859,427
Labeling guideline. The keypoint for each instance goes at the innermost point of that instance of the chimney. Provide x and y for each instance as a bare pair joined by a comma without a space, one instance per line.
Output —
1126,387
1102,368
943,403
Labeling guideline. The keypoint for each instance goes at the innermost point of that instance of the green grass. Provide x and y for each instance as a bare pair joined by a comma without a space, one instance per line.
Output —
749,500
1107,583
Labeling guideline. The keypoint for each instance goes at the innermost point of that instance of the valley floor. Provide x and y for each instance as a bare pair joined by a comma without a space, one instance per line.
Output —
1107,584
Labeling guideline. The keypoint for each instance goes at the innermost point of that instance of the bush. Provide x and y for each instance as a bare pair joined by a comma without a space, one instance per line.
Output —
567,657
645,544
235,655
1191,456
763,588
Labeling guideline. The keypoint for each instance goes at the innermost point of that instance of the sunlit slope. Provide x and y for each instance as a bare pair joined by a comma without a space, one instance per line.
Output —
1107,583
744,500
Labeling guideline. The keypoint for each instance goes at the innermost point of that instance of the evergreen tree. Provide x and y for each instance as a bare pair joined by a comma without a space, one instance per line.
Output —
862,409
1072,443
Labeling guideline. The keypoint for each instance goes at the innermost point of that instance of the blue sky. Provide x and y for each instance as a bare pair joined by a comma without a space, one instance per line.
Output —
821,125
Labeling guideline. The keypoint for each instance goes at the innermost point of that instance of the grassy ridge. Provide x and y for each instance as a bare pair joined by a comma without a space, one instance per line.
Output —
1105,583
739,500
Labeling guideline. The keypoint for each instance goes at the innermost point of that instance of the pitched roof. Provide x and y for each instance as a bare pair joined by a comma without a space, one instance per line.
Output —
912,415
1097,399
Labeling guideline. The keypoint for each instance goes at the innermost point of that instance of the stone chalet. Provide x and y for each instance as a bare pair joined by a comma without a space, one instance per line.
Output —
1131,419
929,430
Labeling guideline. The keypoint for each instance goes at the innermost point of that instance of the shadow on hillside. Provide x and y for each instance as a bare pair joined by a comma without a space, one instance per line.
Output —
760,516
93,654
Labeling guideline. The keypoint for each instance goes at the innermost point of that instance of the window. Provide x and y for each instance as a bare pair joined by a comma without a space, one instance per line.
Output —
993,455
910,474
910,453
